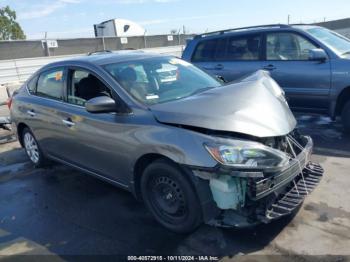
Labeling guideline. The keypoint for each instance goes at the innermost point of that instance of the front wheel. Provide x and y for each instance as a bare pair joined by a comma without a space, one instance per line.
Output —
170,197
32,148
345,117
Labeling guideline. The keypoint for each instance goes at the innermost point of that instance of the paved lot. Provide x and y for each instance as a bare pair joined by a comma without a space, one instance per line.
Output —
63,212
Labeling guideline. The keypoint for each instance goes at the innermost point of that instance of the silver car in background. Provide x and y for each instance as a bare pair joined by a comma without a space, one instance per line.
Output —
192,148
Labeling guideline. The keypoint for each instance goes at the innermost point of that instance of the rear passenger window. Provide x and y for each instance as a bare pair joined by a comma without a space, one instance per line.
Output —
32,85
244,48
51,84
205,51
221,49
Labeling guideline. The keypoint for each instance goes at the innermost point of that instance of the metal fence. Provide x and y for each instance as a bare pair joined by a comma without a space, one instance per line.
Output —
18,70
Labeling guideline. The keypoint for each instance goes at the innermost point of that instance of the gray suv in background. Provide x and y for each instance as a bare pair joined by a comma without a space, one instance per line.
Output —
311,63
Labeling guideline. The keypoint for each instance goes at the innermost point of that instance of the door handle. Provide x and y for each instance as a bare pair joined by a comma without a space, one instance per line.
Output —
269,67
216,67
31,113
219,67
68,122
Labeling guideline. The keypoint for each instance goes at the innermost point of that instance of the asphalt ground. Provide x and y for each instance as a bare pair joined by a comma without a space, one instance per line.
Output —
68,215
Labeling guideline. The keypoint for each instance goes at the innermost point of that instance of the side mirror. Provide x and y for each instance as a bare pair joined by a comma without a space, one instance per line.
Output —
221,79
101,104
317,54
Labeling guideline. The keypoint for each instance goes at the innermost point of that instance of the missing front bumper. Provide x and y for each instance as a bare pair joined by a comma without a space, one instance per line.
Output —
294,194
275,205
250,198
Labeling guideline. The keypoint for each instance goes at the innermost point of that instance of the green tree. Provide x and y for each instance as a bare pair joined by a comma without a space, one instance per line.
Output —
9,27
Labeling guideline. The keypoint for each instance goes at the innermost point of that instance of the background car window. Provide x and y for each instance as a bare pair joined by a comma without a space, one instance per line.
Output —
287,46
244,48
205,51
51,83
221,49
168,73
84,86
338,43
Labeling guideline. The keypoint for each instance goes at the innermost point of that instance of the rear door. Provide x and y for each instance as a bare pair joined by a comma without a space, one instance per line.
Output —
306,83
42,110
242,56
230,57
205,55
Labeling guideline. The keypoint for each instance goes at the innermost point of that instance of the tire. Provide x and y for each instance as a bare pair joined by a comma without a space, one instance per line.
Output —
32,149
345,117
170,197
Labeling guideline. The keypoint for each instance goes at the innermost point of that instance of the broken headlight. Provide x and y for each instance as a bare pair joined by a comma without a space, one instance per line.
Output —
247,155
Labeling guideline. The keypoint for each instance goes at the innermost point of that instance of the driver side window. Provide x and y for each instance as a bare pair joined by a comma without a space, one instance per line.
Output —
84,86
287,46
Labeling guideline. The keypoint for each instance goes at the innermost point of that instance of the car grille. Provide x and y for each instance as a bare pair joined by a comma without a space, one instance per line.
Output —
298,148
301,186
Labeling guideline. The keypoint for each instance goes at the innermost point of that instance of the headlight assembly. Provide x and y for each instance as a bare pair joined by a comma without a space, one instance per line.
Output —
247,155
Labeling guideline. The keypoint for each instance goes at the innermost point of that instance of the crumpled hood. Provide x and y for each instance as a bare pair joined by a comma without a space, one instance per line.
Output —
247,107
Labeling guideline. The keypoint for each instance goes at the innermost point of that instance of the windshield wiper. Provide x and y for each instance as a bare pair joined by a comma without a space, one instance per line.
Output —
201,90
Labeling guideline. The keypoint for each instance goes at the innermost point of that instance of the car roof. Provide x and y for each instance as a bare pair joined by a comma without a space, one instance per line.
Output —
252,29
103,57
304,27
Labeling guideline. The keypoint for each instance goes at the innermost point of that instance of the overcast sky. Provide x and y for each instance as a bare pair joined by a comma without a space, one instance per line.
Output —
75,18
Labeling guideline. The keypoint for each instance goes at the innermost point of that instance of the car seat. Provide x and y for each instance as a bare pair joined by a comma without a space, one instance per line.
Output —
127,78
253,47
88,88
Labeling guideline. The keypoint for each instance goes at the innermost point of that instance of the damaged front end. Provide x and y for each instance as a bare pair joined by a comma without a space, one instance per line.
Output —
263,169
246,196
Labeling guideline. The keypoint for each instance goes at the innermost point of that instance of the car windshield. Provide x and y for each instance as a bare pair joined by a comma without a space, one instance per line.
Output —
338,43
161,79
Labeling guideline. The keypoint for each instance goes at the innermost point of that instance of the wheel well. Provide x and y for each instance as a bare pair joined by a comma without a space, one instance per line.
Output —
140,166
343,97
20,129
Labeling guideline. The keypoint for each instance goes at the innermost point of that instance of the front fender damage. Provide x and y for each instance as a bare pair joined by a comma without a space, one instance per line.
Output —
242,199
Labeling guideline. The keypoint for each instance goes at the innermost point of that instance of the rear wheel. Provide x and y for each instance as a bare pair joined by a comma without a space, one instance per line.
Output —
32,148
345,116
170,197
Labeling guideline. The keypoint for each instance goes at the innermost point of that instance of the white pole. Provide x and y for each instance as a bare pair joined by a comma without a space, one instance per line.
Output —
47,47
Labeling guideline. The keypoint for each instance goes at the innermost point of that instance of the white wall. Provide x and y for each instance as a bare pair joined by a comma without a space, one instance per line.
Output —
18,70
344,32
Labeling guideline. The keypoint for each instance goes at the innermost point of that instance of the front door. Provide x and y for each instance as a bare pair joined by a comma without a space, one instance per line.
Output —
306,83
92,141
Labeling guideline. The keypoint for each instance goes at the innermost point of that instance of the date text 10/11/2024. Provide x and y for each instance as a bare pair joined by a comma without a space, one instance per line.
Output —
173,258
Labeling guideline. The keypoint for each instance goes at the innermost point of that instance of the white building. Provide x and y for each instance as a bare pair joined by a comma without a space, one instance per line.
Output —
118,27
